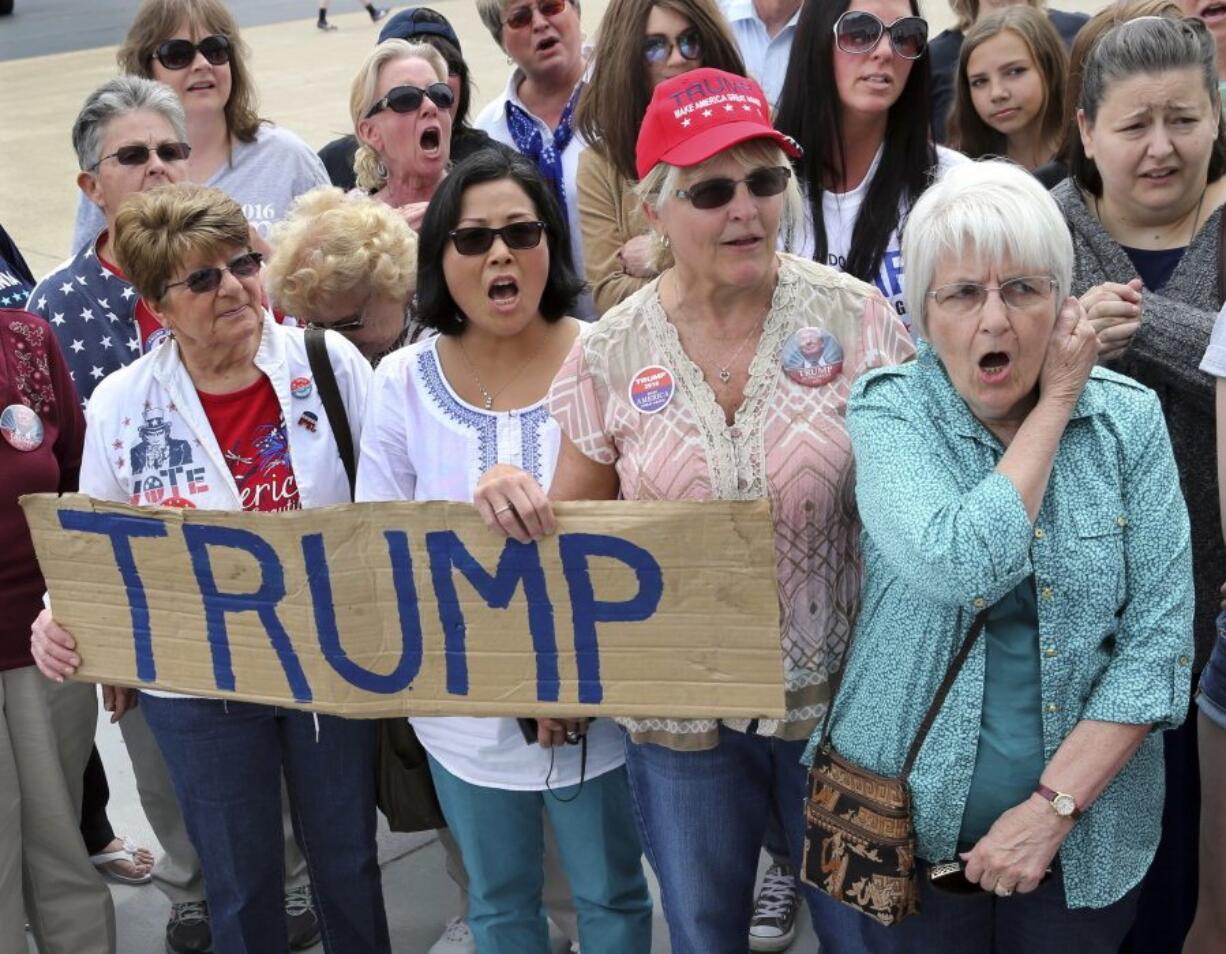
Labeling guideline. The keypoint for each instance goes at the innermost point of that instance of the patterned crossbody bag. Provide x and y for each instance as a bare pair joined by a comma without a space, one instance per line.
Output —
859,834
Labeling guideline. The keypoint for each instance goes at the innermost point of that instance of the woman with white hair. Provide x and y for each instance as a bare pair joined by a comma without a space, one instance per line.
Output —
400,103
1044,528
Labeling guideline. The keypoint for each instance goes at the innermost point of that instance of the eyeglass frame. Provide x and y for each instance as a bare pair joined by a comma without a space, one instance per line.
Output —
150,152
535,6
886,29
384,103
671,44
985,290
220,269
227,46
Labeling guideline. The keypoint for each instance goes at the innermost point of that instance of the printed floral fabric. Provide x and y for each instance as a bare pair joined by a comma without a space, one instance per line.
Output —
947,535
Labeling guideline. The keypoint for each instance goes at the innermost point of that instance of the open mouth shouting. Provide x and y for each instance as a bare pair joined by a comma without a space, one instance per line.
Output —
546,44
1213,13
430,141
994,367
503,293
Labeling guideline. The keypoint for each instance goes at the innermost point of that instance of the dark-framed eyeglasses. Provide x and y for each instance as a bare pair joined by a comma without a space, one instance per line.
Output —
137,154
858,31
1019,294
205,280
714,193
521,17
657,47
408,99
478,239
180,54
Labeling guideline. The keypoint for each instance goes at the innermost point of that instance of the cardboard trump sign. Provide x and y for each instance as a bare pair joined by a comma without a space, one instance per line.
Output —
649,609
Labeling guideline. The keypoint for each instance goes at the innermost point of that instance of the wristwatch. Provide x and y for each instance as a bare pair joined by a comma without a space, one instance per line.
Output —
1062,804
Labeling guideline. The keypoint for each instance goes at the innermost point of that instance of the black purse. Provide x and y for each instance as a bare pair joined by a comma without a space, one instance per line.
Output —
404,789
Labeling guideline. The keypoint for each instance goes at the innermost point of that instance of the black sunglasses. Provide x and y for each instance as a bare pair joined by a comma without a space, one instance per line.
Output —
657,47
522,16
858,31
137,154
713,193
180,54
479,239
205,280
408,99
950,878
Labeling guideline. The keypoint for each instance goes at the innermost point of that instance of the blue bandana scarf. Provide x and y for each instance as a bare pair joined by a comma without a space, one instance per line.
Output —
545,155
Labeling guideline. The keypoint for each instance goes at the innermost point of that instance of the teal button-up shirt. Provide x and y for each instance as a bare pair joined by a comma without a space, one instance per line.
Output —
945,535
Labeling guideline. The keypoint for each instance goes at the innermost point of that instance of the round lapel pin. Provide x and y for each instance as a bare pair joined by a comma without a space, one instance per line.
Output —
21,427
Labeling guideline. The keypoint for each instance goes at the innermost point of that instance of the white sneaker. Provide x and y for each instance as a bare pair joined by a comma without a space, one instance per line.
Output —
773,927
456,939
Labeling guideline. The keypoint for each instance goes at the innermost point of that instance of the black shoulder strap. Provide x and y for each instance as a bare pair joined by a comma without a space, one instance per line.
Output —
330,395
951,674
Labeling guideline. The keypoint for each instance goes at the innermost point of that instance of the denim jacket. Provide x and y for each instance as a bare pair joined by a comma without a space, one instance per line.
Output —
945,536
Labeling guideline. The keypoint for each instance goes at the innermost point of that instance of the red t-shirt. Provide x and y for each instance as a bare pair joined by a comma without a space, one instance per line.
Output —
251,433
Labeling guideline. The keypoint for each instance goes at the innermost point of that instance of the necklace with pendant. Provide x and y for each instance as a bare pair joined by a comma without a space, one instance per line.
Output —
725,367
487,396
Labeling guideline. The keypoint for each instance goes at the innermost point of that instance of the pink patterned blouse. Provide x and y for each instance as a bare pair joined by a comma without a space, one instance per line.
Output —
630,396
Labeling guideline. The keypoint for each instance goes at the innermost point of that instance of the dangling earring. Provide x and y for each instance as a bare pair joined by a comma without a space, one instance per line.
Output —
510,62
665,242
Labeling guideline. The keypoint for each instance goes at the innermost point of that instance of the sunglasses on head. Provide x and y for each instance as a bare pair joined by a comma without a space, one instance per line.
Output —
858,31
950,878
180,54
714,193
478,239
657,47
408,99
137,154
521,17
205,280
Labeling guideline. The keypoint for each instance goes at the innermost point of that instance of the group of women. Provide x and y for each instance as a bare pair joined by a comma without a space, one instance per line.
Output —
983,414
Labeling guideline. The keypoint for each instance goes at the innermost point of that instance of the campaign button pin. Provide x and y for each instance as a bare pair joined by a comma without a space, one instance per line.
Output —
300,387
156,338
309,420
21,427
812,357
652,389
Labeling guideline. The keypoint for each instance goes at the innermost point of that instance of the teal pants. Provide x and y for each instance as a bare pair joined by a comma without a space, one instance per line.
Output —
501,838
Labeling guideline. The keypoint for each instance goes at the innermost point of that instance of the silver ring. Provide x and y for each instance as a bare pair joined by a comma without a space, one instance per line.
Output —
1002,892
503,509
572,736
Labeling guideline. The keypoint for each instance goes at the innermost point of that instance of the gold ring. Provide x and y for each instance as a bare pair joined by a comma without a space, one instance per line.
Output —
1002,892
503,509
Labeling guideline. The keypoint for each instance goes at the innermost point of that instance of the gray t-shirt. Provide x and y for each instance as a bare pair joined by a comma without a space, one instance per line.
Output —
1214,361
264,177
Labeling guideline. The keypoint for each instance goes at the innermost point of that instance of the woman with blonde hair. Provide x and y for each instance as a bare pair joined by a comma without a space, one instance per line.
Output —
349,264
400,104
1010,88
194,47
945,47
641,43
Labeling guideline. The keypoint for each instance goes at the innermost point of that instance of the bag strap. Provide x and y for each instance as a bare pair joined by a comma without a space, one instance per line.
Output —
330,395
951,674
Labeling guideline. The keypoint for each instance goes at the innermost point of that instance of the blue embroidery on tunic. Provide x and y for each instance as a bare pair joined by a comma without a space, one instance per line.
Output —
484,425
532,422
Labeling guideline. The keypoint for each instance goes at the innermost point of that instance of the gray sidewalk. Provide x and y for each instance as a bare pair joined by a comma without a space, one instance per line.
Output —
420,898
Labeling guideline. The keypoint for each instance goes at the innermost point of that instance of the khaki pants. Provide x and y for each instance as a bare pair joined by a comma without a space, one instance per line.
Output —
177,872
42,855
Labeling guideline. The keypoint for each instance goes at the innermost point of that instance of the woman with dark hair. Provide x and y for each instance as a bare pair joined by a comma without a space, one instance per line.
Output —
443,412
1144,206
868,155
641,44
419,25
194,47
1010,89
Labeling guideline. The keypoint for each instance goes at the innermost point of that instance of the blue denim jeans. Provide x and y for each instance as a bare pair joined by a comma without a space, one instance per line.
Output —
1022,924
226,761
1212,695
501,836
702,817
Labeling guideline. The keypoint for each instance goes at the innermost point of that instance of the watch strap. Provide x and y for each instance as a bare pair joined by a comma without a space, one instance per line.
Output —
1051,795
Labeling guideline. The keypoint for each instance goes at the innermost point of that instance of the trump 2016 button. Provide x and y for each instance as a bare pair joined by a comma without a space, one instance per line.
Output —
652,389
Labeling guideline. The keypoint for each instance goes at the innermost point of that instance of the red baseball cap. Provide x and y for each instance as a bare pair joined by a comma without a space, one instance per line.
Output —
695,115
